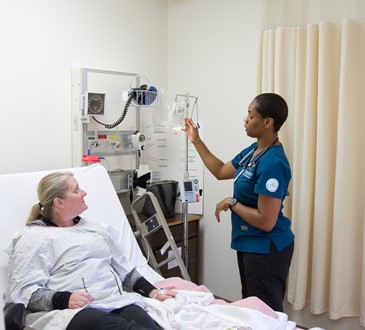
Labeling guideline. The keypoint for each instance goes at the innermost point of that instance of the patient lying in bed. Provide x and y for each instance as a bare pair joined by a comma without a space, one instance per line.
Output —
61,262
193,307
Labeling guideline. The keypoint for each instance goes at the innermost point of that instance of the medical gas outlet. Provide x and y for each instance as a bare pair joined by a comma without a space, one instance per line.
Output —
109,142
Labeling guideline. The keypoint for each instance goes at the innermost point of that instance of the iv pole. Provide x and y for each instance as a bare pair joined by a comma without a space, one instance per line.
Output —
184,204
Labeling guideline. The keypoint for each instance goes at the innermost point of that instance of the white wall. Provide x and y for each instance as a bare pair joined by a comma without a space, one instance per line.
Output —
42,40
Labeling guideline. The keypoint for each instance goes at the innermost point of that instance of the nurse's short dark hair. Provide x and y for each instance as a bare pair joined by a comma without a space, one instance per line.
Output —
271,105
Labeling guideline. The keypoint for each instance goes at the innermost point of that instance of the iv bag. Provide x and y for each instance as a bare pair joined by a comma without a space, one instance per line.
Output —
177,112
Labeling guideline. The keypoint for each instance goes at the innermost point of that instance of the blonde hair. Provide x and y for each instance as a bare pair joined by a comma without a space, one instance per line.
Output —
51,186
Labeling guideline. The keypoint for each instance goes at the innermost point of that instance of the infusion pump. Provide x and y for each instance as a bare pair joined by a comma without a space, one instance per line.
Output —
189,190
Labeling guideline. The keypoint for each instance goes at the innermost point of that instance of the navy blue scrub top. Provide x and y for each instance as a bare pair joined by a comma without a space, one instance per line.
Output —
269,175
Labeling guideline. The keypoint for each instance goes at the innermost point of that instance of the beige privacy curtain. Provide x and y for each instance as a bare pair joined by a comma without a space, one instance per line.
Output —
320,71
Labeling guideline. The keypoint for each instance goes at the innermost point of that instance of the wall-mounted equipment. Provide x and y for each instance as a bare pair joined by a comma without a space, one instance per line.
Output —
138,141
101,100
95,104
141,96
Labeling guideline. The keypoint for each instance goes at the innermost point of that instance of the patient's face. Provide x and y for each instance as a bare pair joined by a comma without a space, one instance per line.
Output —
74,199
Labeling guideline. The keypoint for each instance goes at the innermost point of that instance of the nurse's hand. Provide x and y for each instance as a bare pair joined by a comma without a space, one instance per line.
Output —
222,206
79,299
191,130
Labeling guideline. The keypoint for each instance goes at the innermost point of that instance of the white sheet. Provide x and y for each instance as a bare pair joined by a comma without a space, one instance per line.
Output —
195,311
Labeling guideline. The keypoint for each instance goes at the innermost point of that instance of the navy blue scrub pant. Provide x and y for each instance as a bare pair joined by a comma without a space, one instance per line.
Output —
131,317
264,275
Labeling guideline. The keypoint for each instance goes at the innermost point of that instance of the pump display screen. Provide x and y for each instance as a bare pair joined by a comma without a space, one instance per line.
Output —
188,186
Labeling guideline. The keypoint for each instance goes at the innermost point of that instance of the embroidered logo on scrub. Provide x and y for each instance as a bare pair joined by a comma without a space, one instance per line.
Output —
247,174
272,185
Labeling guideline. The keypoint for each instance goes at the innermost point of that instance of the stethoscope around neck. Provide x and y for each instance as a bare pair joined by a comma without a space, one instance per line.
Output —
249,162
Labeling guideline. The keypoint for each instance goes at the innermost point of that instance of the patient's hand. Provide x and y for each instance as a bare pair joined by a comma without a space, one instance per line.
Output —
162,294
79,299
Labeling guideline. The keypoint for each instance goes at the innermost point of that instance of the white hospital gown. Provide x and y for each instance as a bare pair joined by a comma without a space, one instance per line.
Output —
78,258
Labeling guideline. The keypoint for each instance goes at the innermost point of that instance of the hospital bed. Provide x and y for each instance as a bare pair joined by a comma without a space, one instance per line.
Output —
194,308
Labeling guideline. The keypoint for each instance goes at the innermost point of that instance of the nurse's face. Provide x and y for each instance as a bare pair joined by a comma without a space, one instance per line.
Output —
254,124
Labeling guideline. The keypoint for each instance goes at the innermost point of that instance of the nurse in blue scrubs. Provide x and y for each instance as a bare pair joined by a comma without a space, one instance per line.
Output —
261,173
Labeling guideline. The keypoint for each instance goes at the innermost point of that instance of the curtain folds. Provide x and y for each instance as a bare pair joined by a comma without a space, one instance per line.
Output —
320,71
